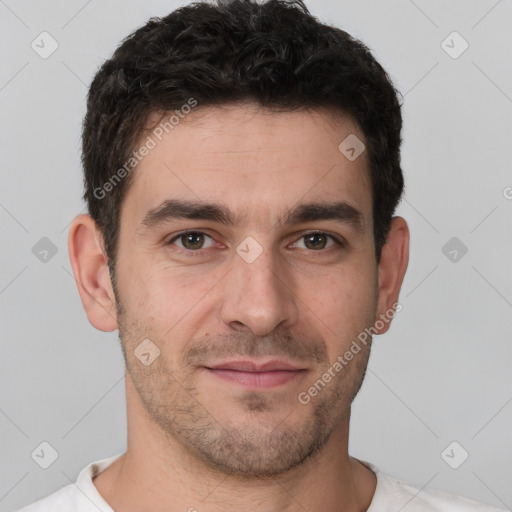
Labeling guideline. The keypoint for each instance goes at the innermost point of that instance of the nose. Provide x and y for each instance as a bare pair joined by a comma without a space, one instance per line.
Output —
259,296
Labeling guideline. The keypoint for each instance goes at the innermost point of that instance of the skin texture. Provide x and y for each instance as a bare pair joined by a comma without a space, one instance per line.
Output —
195,440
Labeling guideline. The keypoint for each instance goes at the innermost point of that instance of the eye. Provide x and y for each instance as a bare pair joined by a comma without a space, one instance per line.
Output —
318,240
191,240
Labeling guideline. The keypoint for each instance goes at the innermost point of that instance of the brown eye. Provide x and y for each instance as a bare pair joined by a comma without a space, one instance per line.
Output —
192,240
318,241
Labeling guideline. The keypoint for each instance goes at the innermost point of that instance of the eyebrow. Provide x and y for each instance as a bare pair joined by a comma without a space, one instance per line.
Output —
175,209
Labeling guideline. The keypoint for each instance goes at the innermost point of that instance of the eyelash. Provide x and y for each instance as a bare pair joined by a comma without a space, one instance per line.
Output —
199,252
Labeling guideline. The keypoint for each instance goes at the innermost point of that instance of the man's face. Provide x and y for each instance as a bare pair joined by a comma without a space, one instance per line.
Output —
247,315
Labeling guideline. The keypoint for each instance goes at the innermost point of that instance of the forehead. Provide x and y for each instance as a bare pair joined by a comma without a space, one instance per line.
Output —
257,161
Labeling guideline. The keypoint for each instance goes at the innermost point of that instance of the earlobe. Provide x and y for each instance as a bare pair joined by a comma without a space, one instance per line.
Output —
92,277
392,267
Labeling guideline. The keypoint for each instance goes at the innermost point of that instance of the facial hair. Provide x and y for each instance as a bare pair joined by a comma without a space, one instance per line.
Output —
253,437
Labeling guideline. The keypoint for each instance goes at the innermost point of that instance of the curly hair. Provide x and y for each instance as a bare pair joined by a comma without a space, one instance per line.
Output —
274,53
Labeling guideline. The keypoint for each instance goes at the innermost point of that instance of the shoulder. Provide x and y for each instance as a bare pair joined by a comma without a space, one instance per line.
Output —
81,496
434,500
67,499
392,494
61,499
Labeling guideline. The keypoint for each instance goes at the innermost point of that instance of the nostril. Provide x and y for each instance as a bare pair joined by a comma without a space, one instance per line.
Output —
239,326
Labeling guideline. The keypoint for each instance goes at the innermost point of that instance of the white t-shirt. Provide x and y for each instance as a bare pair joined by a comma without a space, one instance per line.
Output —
391,495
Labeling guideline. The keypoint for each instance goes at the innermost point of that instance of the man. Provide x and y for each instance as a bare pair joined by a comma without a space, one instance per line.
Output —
242,168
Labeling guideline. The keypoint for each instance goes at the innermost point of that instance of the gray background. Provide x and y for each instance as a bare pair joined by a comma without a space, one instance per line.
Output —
442,373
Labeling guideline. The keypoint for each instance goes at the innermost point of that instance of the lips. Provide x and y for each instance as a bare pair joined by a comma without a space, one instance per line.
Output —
253,366
256,375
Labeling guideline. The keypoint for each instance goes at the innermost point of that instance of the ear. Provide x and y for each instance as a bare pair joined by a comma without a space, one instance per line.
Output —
392,266
92,277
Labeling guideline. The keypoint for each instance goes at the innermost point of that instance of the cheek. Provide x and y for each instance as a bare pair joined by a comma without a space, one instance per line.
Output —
147,297
168,300
350,287
342,305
